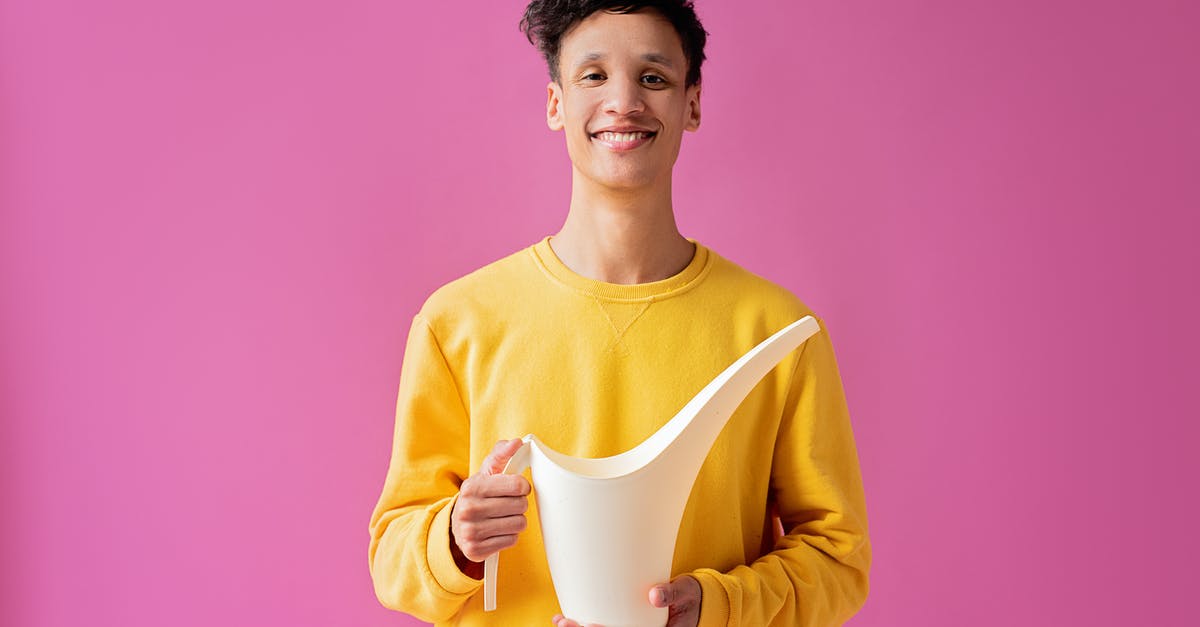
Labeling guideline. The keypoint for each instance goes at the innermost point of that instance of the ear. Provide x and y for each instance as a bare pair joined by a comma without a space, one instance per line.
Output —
693,119
554,113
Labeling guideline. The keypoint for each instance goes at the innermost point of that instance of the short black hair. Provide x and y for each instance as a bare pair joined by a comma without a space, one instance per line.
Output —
545,22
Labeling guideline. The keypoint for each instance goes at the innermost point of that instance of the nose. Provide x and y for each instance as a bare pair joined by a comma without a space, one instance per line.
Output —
623,97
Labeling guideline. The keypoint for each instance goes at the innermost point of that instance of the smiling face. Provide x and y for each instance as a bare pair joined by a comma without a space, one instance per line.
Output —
622,103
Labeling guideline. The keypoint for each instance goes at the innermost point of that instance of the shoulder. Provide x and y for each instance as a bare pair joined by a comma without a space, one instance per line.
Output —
480,292
746,290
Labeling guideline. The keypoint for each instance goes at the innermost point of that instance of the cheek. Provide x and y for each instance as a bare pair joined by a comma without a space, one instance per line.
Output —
576,136
577,131
577,144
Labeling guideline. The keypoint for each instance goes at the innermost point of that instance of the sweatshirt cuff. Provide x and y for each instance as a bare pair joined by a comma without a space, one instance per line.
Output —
441,560
714,601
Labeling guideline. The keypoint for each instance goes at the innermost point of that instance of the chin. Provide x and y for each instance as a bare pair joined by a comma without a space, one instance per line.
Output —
626,183
626,179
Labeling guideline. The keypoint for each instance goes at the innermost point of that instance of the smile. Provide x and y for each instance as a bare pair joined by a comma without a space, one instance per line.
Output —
623,141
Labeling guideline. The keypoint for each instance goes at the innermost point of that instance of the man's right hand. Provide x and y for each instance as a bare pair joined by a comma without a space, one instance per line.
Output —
489,512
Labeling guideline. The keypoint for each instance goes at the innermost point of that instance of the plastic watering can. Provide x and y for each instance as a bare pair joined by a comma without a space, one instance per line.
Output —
609,524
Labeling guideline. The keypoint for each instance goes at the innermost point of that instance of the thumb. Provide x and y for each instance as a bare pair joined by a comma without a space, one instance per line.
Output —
494,463
672,593
663,595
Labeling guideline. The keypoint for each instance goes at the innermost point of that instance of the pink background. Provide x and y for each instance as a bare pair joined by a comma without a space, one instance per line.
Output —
217,219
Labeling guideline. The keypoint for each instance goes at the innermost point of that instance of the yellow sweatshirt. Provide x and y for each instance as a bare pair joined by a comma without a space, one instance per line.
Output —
526,345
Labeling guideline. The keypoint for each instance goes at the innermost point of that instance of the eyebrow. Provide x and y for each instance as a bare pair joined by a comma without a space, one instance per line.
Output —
652,57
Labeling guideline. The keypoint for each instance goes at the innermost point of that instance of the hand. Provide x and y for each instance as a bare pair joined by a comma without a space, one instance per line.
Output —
489,512
681,595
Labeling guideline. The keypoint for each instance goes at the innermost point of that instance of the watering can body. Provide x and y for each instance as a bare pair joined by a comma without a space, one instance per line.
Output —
609,525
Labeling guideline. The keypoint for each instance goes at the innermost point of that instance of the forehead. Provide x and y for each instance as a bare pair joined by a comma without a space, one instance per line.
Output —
644,35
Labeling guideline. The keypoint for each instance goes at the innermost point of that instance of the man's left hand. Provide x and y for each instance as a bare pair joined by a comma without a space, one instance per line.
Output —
681,596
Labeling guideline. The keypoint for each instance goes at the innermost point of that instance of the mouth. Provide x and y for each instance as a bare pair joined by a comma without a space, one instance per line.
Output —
623,141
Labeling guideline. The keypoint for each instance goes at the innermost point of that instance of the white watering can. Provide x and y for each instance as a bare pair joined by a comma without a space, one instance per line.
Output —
609,524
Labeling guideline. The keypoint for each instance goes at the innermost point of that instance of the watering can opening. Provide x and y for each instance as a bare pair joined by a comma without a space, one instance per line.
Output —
705,404
624,464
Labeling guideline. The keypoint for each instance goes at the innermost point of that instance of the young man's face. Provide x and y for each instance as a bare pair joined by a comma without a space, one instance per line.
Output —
624,72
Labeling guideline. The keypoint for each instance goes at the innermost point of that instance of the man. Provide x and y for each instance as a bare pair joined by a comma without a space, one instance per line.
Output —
592,338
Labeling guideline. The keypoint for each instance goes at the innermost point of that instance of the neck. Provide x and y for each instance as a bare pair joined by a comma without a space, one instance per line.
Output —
624,236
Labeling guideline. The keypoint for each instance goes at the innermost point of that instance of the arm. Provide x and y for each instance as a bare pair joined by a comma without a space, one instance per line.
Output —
818,573
410,556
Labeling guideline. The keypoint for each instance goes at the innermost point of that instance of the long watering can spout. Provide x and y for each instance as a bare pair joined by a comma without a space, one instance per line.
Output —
597,512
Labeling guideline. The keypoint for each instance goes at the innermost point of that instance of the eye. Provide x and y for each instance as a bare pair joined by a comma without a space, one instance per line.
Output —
591,74
657,80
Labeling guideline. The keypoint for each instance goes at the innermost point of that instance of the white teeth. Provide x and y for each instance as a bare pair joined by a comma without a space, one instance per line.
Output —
622,137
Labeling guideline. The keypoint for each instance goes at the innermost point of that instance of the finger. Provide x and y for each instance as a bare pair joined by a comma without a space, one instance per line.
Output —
480,509
478,551
563,621
509,525
470,522
483,486
494,463
502,485
480,530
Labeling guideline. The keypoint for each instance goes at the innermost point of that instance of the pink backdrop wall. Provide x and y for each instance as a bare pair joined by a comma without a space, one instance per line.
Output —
217,219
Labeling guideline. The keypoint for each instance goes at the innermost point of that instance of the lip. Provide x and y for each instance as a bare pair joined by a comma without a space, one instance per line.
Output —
622,146
622,129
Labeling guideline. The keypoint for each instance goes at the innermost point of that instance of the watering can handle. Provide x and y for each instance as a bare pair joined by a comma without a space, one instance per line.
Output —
515,466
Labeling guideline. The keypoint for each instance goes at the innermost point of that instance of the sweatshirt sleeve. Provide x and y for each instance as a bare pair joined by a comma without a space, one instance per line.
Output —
817,574
409,556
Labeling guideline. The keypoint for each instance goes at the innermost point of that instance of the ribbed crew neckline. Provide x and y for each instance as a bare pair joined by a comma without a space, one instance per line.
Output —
680,282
